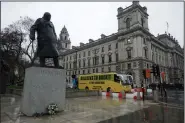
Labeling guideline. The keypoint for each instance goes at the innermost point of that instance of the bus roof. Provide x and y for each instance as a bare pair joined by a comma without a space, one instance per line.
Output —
98,74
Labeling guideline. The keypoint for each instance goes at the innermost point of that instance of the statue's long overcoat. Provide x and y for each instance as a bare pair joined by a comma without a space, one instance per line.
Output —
47,39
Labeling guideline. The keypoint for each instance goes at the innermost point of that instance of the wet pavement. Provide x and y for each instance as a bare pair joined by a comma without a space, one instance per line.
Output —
94,110
78,110
152,114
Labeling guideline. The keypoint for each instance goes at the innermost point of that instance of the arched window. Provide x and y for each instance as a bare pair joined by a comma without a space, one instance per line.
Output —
128,23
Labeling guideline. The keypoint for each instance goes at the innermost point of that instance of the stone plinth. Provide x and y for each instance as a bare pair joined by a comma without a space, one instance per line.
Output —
43,86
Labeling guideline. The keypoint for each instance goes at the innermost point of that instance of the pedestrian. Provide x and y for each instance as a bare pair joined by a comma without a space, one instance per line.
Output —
158,86
76,83
164,89
132,85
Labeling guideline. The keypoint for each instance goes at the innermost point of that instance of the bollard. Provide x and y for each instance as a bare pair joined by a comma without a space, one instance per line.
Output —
138,95
123,94
99,92
110,93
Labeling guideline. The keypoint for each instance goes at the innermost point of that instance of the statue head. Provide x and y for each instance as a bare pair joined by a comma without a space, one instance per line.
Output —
47,16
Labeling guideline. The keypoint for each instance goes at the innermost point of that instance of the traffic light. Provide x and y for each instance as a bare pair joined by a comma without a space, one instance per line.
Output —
148,73
154,70
144,74
158,70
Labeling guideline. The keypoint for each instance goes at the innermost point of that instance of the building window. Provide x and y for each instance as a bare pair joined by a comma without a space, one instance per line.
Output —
134,64
84,54
109,68
109,47
142,22
103,59
89,62
93,70
116,45
144,40
129,65
74,64
152,56
147,65
110,58
117,68
75,56
79,72
84,63
70,57
96,60
129,54
102,69
123,66
117,57
88,71
66,73
79,63
128,23
89,53
66,45
65,38
145,50
66,65
128,40
83,71
144,63
96,70
102,49
79,55
69,65
67,59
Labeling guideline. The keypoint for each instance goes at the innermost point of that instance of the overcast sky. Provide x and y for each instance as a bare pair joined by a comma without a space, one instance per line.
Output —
89,20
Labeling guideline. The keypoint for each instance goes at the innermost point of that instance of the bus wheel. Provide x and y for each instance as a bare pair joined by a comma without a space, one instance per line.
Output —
86,88
108,89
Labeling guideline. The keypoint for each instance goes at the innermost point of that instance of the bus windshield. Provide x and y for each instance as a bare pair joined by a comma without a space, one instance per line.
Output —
126,79
117,78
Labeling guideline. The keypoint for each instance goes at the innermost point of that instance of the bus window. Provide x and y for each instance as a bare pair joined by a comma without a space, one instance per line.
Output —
116,78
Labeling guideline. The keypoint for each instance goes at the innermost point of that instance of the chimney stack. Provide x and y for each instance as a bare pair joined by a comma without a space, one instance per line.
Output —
135,3
91,41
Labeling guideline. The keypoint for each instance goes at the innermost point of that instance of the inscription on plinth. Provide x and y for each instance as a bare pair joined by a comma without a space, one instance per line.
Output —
43,86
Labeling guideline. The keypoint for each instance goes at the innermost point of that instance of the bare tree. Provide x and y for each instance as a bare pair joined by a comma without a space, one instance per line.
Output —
16,44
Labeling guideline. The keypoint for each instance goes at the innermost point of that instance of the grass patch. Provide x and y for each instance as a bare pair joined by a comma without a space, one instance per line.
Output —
14,87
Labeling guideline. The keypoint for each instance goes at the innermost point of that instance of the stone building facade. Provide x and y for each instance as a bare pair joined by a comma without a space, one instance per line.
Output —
130,50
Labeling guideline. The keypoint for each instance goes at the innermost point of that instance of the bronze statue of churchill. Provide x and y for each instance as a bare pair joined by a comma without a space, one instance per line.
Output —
47,39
